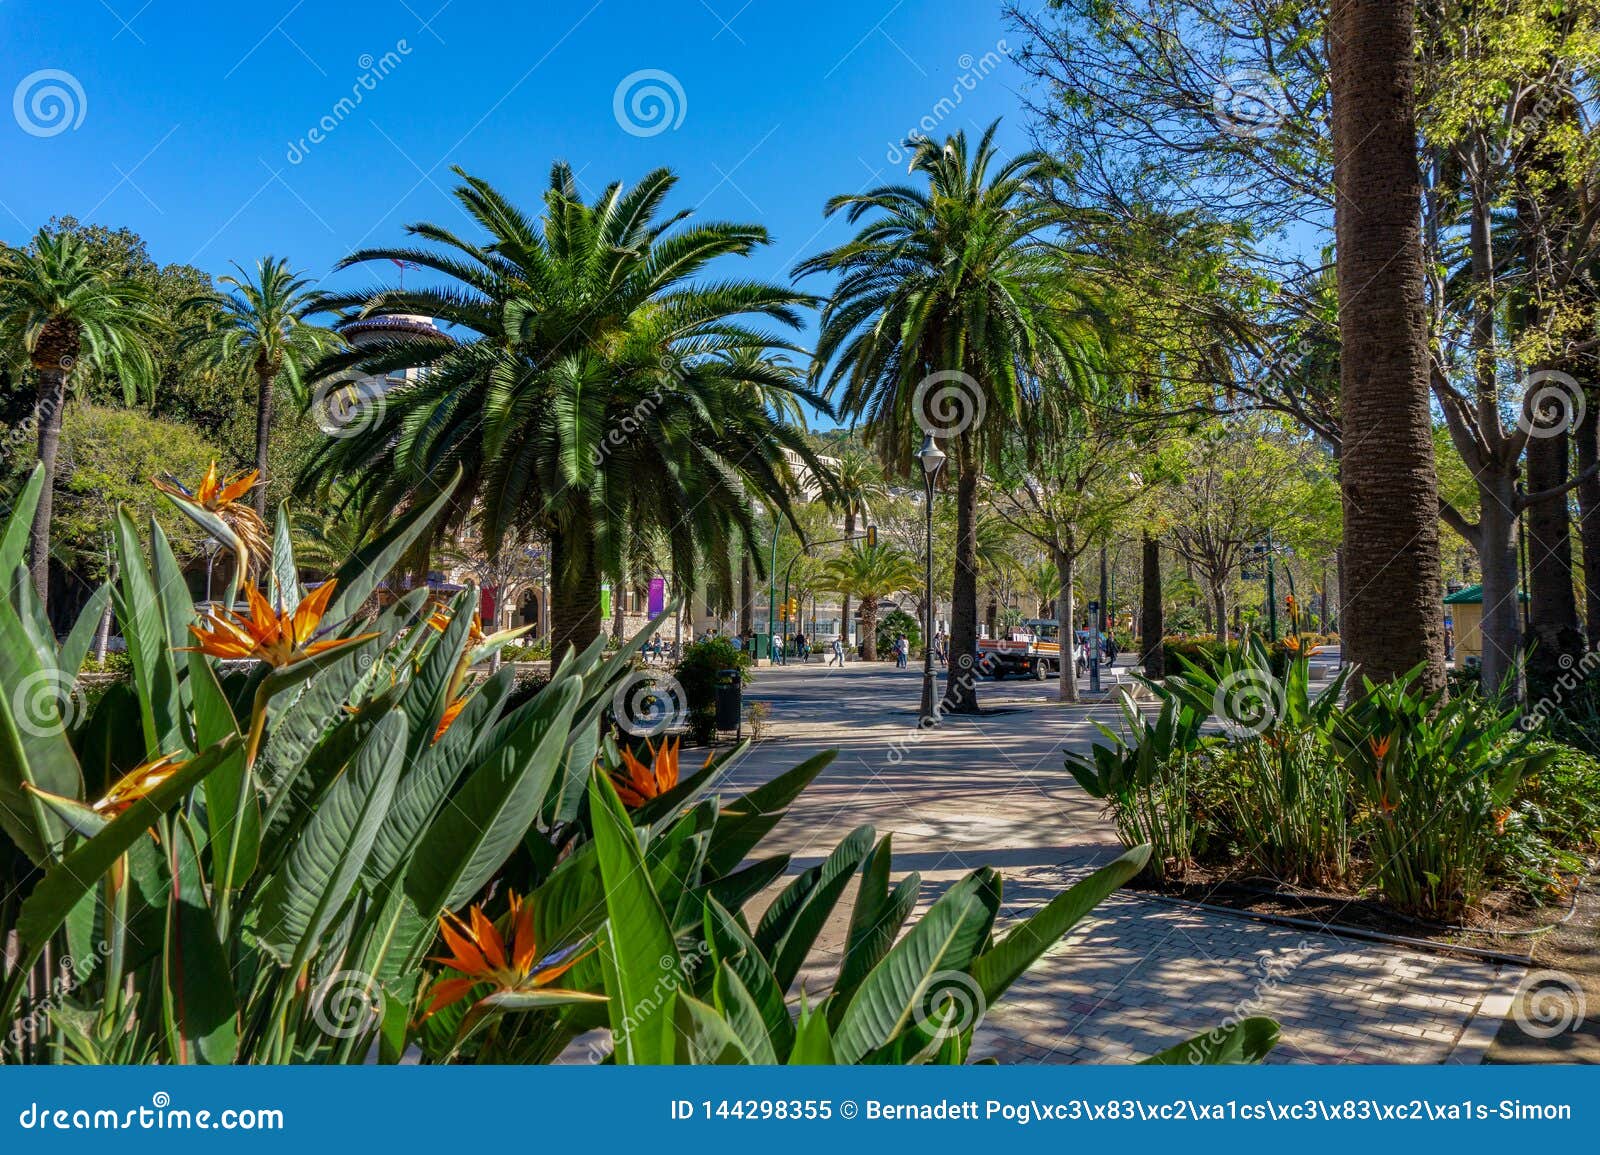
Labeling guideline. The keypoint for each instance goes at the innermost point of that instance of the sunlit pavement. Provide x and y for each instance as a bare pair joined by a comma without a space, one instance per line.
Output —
1141,973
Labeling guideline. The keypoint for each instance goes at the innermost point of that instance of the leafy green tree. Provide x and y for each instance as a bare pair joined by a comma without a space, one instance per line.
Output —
108,456
591,386
950,307
59,314
259,327
869,573
860,488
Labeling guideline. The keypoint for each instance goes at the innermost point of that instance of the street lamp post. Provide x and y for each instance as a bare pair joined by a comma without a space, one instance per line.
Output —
932,458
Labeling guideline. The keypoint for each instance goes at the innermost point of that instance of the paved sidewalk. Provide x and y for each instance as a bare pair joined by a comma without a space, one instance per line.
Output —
1141,973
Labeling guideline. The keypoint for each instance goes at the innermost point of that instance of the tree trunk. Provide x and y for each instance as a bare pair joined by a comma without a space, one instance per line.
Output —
1587,436
1219,607
1066,635
961,686
747,595
264,380
869,628
1392,617
1497,557
574,595
1151,627
844,607
54,354
1555,642
619,623
102,633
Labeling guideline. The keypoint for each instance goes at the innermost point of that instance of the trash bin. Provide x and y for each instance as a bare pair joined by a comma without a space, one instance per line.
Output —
730,701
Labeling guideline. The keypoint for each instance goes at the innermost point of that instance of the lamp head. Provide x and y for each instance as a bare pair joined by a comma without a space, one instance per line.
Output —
931,456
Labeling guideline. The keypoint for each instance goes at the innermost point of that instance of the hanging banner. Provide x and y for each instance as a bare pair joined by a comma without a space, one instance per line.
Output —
658,595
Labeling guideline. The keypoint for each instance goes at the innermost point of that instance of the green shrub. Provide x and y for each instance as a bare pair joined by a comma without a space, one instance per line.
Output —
1436,780
697,672
1142,774
894,623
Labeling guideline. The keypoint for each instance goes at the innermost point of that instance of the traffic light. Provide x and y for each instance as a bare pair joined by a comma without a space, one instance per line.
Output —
872,536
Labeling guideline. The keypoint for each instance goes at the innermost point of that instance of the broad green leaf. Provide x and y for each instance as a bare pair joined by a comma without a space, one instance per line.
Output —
941,943
19,524
284,575
1247,1041
791,924
738,1009
198,1006
315,879
813,1041
997,968
640,955
473,836
703,1037
34,748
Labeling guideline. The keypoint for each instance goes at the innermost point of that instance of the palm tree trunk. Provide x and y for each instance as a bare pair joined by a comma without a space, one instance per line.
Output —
264,379
1392,616
1066,636
747,594
961,687
574,595
844,606
54,352
869,628
1151,627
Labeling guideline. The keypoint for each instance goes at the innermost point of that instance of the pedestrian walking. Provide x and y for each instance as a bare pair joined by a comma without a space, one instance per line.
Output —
941,648
902,651
837,658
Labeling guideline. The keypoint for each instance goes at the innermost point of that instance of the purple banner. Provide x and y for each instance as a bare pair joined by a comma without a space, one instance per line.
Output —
658,595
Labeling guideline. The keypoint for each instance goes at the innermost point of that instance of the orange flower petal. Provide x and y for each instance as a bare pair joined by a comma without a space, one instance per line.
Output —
447,992
236,488
468,959
487,936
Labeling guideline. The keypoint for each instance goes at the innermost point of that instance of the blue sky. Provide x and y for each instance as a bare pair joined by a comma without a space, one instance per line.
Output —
192,123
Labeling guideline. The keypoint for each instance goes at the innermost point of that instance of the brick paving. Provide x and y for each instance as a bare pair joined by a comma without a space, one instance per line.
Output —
1140,973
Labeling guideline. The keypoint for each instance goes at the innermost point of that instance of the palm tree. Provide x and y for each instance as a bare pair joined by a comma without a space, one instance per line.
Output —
860,483
871,572
954,278
1392,616
590,389
58,314
259,326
